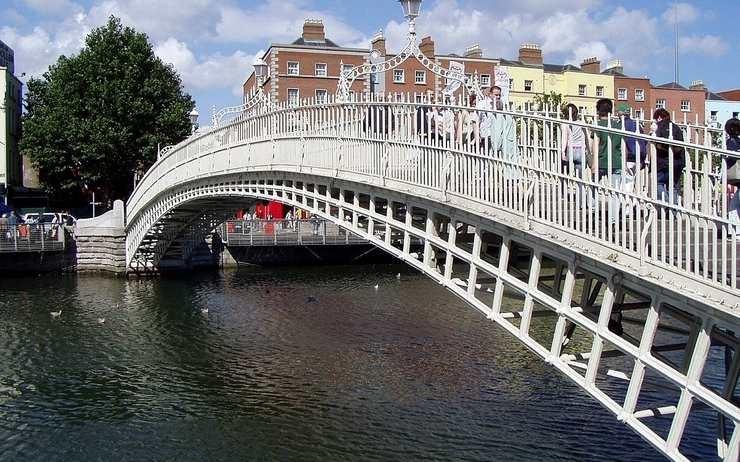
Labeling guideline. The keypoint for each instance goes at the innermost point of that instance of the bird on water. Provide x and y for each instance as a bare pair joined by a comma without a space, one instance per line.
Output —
56,314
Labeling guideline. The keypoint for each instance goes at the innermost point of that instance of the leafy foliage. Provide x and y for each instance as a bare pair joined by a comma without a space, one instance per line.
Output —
94,119
551,101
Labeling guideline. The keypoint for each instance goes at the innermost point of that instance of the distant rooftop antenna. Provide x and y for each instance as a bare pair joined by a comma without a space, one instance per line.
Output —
675,26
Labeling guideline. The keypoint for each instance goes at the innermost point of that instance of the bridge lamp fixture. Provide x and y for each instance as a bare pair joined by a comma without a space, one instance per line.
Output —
411,9
194,118
260,70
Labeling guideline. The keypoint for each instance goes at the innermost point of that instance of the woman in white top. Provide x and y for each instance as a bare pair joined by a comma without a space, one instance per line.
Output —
574,144
575,152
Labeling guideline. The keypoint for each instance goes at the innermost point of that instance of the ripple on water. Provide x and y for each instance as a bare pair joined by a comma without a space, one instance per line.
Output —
287,364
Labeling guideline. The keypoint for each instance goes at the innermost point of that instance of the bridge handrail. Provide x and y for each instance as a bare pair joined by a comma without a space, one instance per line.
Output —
531,145
31,237
284,108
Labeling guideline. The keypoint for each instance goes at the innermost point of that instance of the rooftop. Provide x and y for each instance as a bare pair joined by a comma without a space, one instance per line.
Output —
671,86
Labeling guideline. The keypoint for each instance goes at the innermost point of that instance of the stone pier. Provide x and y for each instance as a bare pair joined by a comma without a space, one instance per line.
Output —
101,242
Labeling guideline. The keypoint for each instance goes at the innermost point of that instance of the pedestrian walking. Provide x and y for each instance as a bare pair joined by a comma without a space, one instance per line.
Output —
608,161
668,178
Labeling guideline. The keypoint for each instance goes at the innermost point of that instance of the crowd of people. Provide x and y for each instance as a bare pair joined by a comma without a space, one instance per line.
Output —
599,151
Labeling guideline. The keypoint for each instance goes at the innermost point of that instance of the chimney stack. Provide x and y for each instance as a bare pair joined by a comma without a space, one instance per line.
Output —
378,43
698,85
615,65
473,51
530,53
591,65
313,30
427,47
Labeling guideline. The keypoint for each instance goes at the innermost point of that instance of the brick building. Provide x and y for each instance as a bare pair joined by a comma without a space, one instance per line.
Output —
684,104
310,66
307,68
633,91
730,95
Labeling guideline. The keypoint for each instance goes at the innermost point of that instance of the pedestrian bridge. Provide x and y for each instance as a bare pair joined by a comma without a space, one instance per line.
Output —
631,294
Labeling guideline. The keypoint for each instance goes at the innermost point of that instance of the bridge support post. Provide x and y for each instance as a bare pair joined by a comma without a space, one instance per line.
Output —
566,301
370,219
696,366
407,225
451,242
534,276
503,265
638,372
473,273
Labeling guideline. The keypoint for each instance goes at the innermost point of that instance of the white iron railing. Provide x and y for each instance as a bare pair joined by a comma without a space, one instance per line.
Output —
679,220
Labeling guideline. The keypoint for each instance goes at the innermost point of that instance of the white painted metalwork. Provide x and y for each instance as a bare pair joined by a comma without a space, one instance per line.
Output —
411,50
604,270
23,238
277,233
257,102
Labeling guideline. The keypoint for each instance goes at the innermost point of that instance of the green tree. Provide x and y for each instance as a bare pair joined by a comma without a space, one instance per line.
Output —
551,100
96,118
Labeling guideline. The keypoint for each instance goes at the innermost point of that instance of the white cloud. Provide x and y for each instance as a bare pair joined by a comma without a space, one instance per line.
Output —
277,21
213,72
567,31
710,45
681,13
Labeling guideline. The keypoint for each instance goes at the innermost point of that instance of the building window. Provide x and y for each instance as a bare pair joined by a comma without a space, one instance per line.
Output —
639,94
485,80
685,105
321,96
638,114
398,76
527,85
660,104
421,77
713,116
293,96
347,67
419,98
599,91
581,90
321,70
622,94
293,68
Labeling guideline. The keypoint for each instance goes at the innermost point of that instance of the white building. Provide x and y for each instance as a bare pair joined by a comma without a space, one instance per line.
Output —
720,110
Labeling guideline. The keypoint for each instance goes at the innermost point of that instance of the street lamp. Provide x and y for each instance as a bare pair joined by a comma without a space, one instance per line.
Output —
411,10
194,119
260,70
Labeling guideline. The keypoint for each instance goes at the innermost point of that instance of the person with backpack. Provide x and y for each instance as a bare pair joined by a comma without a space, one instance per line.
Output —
664,128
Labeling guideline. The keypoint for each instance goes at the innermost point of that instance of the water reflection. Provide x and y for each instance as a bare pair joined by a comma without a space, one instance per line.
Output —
287,364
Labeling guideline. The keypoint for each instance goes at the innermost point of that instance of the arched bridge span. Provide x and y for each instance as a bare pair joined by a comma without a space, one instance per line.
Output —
602,300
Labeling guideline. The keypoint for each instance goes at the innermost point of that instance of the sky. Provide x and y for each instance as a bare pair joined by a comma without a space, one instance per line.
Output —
213,43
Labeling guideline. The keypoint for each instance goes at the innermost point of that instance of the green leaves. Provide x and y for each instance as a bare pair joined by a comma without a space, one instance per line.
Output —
96,118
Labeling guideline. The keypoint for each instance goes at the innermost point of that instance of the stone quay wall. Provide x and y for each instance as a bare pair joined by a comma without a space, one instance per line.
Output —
101,242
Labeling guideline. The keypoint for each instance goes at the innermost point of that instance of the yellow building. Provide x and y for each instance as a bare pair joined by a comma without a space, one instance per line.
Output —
582,86
530,76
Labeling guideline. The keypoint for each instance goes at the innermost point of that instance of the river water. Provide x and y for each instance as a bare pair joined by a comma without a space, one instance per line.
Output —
286,364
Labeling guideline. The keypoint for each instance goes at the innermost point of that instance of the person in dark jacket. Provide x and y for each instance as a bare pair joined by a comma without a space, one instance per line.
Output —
732,130
667,129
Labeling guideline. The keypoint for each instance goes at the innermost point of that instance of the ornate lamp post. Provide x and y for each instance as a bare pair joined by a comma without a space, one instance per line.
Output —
260,71
411,10
194,119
